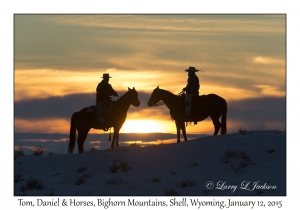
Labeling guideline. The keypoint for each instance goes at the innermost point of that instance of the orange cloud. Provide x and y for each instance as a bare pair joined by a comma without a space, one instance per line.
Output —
269,90
45,126
32,148
267,60
28,83
45,140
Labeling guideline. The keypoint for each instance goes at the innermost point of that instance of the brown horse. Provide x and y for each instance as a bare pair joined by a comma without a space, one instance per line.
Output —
207,105
84,120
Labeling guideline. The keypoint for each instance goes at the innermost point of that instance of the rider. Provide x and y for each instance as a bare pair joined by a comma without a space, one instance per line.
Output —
104,91
192,88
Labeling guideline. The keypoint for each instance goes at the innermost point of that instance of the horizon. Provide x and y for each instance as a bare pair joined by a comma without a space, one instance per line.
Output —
58,143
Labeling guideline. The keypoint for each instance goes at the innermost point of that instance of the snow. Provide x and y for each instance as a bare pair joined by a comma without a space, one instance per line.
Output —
231,162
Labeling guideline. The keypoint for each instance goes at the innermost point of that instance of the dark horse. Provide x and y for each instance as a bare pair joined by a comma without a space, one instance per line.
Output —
207,105
84,120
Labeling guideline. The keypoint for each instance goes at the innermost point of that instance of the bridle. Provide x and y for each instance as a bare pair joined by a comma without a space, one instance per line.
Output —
159,104
163,103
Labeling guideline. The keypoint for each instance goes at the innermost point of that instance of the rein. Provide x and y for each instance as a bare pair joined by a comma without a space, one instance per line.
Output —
159,104
111,104
115,98
163,103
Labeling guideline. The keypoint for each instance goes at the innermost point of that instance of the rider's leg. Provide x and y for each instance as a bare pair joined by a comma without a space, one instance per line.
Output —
100,112
188,100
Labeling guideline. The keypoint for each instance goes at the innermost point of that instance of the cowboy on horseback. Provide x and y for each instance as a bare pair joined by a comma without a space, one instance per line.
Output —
103,100
191,89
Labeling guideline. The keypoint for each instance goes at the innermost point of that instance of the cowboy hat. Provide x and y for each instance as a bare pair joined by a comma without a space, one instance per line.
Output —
106,76
192,69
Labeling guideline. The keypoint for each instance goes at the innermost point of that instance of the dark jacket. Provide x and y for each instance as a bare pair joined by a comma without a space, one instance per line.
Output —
193,84
104,90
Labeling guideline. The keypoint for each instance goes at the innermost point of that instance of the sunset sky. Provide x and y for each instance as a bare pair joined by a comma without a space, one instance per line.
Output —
59,61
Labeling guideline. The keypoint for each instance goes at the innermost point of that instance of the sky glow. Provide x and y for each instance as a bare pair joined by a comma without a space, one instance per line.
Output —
59,56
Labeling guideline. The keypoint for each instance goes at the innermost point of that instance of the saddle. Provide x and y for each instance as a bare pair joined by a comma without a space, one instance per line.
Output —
197,103
92,109
104,107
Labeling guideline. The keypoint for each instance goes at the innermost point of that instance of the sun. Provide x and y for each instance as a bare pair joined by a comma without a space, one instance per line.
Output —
143,126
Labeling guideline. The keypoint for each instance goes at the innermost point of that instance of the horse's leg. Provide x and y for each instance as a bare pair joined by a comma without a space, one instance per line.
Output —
80,140
183,131
216,123
178,131
115,138
72,137
223,120
113,141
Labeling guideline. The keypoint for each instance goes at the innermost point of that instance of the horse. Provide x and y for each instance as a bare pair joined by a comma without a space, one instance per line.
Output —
207,105
83,120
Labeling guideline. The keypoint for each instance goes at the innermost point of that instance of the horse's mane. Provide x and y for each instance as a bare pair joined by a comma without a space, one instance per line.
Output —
166,91
121,98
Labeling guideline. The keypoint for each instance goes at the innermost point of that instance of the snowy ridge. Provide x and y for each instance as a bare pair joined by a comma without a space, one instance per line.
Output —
232,164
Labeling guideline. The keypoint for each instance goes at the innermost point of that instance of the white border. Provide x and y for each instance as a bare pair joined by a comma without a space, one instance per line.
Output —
9,8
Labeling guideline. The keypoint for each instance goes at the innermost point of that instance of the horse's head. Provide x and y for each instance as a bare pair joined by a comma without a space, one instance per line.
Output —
133,95
154,98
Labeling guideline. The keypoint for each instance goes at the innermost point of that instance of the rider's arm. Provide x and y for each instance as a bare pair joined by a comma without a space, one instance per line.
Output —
113,92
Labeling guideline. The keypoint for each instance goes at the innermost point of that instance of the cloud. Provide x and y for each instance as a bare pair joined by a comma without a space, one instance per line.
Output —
52,107
175,23
249,111
163,42
267,60
257,110
44,140
64,106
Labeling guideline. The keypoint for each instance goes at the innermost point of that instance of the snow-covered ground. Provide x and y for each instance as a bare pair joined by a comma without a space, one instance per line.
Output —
231,165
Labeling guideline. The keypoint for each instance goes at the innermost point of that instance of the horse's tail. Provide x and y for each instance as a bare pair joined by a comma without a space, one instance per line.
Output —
72,134
223,119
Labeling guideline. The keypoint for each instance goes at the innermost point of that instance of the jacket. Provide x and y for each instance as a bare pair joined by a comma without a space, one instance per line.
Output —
104,90
193,84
